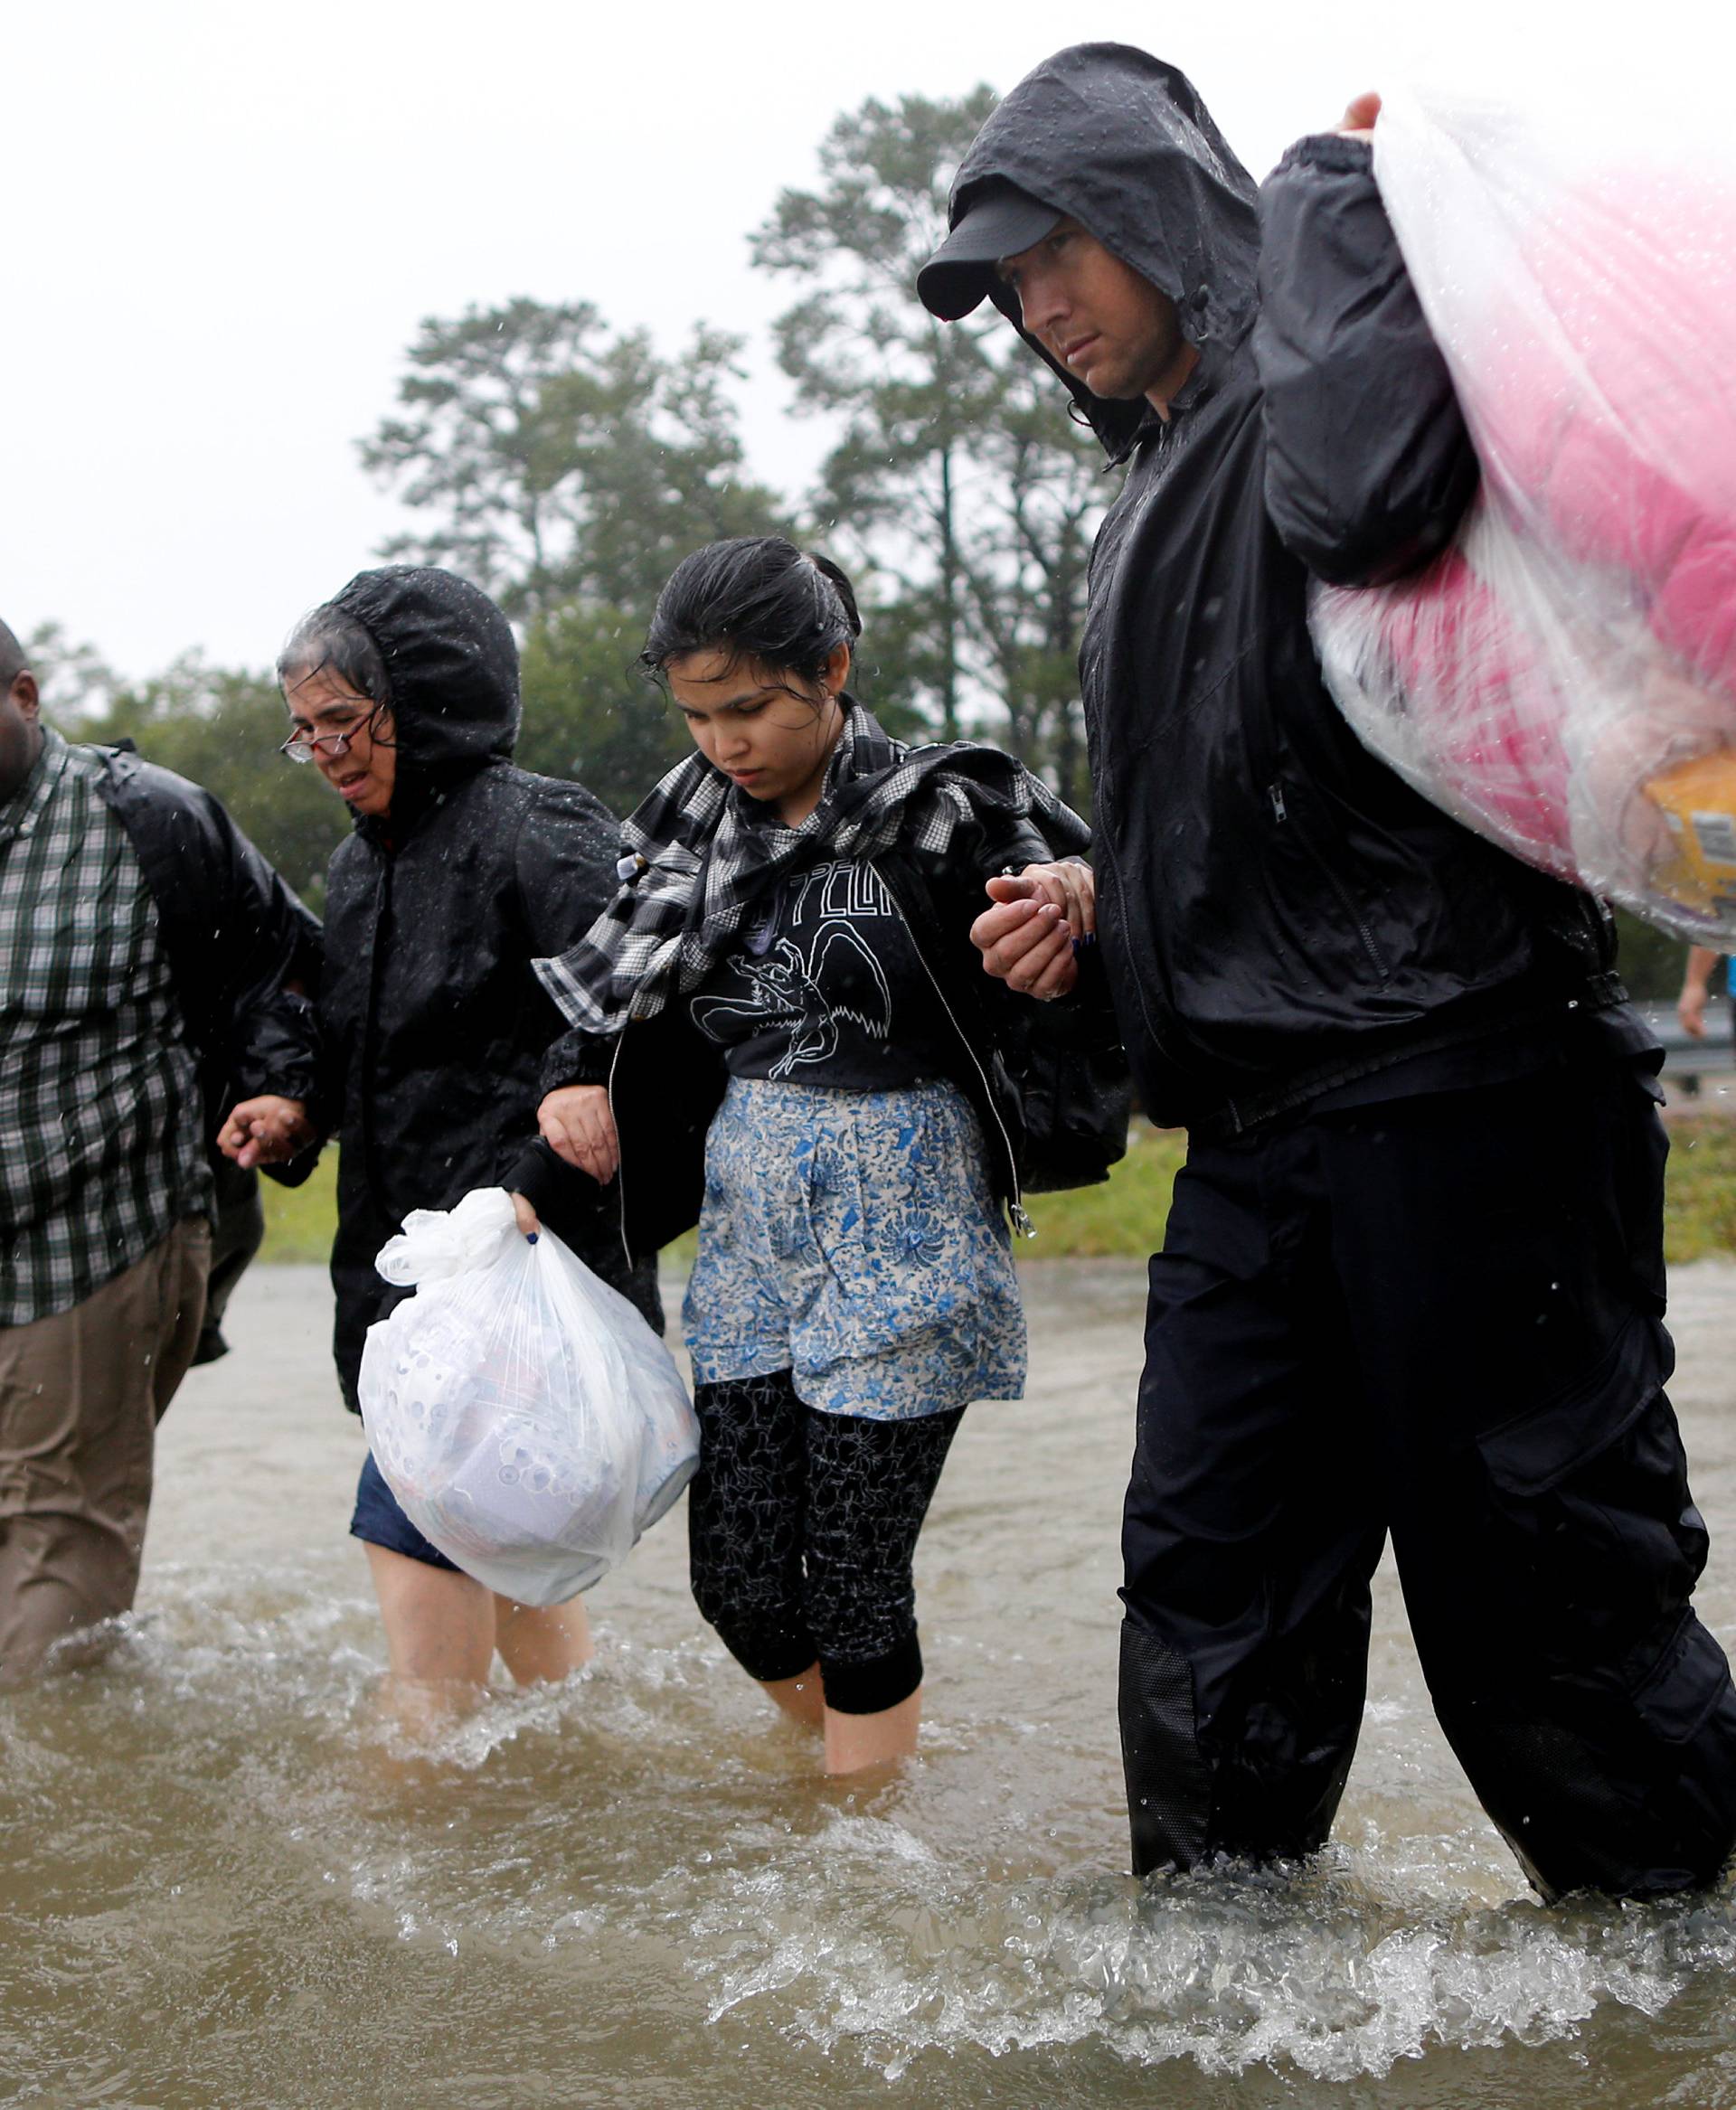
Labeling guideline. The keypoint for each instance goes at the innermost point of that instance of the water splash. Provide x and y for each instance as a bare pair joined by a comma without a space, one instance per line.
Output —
1312,1971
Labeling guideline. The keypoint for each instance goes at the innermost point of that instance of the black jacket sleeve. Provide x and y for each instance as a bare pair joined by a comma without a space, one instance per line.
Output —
564,868
1369,466
564,864
578,1057
569,1200
277,1033
566,877
243,950
281,1049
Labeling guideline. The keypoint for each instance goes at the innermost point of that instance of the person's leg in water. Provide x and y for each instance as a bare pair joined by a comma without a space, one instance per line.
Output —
1503,1252
870,1483
746,1516
1253,1523
539,1644
802,1698
439,1627
1446,1310
812,1488
802,1529
82,1392
861,1743
443,1627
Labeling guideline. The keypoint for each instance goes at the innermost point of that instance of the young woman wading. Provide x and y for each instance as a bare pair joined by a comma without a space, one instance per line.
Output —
780,1020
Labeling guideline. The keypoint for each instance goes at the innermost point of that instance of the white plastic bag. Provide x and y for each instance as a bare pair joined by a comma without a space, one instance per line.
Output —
1563,679
528,1421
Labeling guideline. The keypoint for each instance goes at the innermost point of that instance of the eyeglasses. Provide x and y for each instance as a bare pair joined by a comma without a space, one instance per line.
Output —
302,747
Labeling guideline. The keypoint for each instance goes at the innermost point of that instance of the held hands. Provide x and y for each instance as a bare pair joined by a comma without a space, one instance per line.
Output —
1028,938
576,1123
266,1131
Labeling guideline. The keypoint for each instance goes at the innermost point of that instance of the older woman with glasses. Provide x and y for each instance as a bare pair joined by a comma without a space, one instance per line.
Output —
460,869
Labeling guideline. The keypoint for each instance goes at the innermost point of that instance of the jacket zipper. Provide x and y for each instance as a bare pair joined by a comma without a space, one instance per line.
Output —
369,1022
1275,792
620,1165
1021,1223
1103,863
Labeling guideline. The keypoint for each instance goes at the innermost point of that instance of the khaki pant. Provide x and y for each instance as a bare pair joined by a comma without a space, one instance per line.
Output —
80,1396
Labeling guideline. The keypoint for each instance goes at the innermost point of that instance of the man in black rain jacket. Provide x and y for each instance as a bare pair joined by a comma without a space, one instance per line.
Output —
1412,1278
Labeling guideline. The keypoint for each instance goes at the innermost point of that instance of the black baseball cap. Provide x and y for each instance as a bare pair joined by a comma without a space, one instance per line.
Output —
1001,220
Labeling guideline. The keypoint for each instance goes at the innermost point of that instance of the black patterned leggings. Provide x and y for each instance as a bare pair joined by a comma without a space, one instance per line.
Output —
802,1528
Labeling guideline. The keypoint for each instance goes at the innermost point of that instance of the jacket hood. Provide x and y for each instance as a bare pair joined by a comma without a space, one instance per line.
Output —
1122,143
452,662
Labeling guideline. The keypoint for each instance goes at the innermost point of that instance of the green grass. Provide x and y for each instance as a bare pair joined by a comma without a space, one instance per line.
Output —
1125,1215
299,1221
1700,1203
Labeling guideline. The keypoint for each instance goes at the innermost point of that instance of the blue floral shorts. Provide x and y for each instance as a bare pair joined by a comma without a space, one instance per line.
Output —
853,1238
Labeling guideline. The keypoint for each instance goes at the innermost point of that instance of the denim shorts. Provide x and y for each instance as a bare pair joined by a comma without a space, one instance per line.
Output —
853,1240
379,1521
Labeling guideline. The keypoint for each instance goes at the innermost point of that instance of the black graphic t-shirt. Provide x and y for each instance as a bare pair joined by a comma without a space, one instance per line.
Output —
829,989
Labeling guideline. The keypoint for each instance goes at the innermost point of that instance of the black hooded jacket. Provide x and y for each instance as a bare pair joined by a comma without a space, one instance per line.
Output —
1284,919
433,1025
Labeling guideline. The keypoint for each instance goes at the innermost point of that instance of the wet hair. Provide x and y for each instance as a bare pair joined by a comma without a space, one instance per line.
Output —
14,659
757,597
328,640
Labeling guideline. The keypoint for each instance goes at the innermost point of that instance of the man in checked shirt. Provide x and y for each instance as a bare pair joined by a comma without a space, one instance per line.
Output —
145,947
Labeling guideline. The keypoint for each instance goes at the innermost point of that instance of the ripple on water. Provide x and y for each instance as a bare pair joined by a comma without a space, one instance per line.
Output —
872,1943
203,1824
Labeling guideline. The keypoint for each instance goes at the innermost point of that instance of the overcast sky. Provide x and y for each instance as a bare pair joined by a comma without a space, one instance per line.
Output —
224,223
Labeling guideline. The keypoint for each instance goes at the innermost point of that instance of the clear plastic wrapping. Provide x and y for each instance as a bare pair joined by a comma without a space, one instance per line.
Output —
1563,678
528,1421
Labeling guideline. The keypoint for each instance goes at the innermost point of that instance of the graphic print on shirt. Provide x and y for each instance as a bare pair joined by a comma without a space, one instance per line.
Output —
807,972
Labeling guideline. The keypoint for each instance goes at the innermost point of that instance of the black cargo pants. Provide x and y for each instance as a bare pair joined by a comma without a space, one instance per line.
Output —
1440,1316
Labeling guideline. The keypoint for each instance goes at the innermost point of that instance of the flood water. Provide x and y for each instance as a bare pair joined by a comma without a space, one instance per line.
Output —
225,1884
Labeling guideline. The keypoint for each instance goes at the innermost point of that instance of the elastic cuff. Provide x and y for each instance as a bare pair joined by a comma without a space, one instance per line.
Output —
1329,150
771,1659
536,1174
295,1171
578,1057
871,1687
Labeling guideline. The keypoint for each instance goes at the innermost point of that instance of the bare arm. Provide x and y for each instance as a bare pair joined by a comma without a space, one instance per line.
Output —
1690,1005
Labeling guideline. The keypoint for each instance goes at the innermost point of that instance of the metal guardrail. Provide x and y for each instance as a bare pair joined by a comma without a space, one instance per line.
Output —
1696,1068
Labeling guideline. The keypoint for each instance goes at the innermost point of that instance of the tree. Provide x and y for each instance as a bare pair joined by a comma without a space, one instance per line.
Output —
76,682
568,471
498,401
589,713
958,478
565,465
